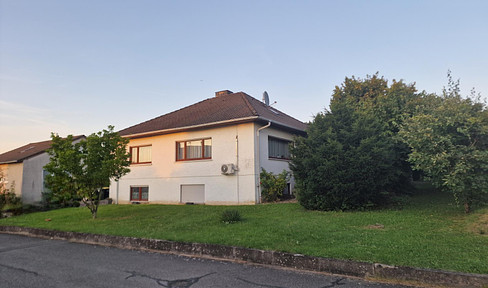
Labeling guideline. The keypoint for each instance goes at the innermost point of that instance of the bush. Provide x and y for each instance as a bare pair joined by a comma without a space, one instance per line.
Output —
273,185
230,216
15,209
345,163
51,201
10,203
10,199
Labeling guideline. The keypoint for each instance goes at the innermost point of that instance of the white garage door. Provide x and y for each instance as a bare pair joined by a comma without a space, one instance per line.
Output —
193,193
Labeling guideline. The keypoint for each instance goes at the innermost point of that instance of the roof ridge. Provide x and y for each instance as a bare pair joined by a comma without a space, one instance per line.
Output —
218,109
249,105
269,107
169,113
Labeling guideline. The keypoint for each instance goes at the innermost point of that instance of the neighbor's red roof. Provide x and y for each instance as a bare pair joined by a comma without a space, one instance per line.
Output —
20,154
226,109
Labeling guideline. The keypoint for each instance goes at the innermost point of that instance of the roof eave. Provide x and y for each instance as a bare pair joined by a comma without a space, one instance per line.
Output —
192,127
215,124
294,130
11,162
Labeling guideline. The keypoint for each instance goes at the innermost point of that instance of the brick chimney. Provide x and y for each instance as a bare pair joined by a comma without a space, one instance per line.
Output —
223,93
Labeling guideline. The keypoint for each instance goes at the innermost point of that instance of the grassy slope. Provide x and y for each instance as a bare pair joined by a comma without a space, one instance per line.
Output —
430,232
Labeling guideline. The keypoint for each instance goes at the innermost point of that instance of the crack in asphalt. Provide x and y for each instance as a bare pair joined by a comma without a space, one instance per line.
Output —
187,283
179,283
19,269
335,283
331,285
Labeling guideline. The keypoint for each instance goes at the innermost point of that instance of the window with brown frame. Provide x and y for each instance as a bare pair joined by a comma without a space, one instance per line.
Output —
139,193
141,154
194,149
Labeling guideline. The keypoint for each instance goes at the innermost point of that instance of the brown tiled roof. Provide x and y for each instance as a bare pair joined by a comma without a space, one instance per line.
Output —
20,154
222,110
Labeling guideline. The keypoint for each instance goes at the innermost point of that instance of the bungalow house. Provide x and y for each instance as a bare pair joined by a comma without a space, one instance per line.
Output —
210,152
22,170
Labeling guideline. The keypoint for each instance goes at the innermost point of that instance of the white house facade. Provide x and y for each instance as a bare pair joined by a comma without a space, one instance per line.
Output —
208,153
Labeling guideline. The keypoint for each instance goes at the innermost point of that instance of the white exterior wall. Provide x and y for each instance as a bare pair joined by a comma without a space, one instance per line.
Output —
33,179
276,166
164,176
12,177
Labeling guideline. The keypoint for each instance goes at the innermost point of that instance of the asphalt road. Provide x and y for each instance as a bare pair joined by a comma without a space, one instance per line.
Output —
33,262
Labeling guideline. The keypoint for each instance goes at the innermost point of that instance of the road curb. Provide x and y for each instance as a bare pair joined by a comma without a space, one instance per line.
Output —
275,258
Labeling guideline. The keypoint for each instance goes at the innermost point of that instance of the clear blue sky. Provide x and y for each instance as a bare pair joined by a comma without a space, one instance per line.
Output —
74,67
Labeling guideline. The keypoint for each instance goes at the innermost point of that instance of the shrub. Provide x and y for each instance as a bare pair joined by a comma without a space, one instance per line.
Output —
273,185
230,216
15,209
345,163
9,202
50,200
9,199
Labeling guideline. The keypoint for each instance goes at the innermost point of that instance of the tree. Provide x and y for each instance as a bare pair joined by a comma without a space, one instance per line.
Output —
353,157
344,163
449,142
65,171
84,168
391,105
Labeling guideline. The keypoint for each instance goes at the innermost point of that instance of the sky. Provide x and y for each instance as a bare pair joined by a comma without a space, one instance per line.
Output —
75,67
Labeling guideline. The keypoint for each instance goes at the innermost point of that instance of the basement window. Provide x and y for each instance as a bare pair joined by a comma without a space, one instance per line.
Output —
139,193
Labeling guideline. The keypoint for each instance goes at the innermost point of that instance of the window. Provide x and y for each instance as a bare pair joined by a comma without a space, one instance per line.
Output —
194,150
140,193
140,154
278,148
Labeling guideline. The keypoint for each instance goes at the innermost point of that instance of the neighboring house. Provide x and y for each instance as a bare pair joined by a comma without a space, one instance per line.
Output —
210,152
22,170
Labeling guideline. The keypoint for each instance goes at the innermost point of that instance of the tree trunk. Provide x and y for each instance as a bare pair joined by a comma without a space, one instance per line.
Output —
467,208
95,205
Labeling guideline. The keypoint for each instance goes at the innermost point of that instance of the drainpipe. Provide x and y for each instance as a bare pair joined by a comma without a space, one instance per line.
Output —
258,181
117,193
237,164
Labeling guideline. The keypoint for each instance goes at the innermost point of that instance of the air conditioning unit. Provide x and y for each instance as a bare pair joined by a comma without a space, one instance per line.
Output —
228,169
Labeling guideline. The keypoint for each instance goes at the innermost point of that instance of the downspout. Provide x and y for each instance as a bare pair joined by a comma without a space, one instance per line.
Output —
237,164
258,181
117,193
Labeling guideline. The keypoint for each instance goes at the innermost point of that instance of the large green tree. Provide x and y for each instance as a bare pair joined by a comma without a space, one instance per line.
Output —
82,169
344,163
352,157
391,104
449,142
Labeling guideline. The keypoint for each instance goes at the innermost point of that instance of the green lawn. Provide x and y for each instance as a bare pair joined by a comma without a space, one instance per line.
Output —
429,232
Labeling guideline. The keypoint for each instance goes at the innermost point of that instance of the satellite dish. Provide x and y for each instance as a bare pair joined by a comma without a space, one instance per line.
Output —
266,98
